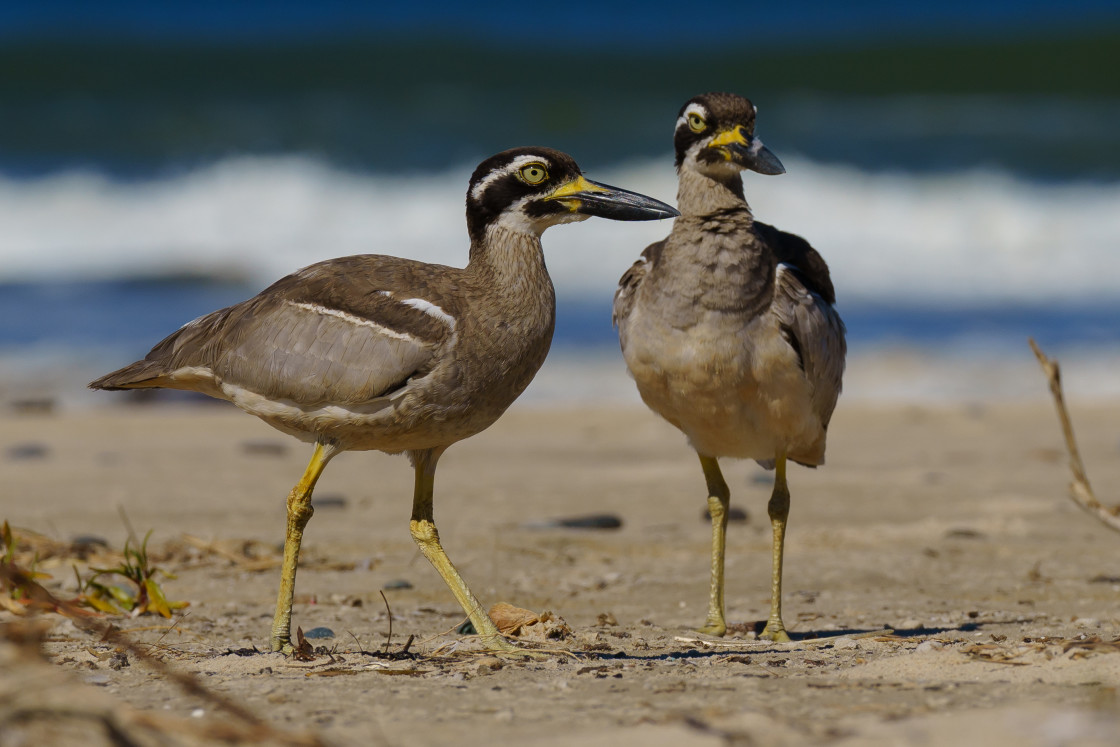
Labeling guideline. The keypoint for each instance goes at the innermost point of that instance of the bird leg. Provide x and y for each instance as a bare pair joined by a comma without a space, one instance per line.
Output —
719,498
778,509
299,512
424,532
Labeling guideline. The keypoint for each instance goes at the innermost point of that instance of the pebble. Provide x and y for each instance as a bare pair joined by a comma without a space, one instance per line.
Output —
27,451
489,664
398,583
591,521
319,633
264,448
926,647
845,644
97,678
329,501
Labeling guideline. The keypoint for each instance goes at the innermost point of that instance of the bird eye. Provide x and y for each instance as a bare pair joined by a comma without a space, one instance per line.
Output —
534,173
696,123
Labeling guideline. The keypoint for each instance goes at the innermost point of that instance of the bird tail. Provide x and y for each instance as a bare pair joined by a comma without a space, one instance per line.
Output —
143,374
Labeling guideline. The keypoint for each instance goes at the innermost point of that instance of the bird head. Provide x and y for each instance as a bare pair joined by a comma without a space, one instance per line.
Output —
530,189
715,136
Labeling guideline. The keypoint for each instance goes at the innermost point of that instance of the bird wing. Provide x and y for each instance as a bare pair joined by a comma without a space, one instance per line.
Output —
799,253
814,330
629,282
344,331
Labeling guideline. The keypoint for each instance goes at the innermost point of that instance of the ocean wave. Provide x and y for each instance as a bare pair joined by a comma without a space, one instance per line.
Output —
976,238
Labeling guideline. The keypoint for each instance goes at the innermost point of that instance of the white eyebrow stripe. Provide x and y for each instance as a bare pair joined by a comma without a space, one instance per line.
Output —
513,166
431,310
693,108
355,320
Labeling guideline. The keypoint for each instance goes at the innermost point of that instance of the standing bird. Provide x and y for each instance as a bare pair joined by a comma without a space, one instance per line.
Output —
378,352
729,330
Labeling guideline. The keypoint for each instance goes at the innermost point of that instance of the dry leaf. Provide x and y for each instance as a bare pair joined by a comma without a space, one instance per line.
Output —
510,619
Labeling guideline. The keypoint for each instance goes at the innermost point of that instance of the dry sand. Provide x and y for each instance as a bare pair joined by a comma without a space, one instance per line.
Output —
947,524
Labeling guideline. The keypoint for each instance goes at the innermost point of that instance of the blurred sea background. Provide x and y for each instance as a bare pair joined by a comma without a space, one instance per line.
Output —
957,164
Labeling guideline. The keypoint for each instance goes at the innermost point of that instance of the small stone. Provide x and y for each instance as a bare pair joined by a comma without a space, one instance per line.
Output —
319,633
909,624
929,646
198,713
329,501
845,644
489,664
264,448
20,452
398,583
118,661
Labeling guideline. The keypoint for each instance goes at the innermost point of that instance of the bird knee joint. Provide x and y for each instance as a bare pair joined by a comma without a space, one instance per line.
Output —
717,506
424,532
299,510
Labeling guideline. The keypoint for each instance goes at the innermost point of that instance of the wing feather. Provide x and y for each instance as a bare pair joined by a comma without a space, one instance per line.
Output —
817,336
341,332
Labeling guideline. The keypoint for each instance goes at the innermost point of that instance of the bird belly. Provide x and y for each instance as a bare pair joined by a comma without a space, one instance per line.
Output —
732,394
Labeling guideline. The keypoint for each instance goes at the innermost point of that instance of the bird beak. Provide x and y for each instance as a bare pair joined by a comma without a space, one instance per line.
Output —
584,196
747,151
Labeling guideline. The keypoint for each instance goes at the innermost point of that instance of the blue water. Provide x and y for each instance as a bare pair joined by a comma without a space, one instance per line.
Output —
131,316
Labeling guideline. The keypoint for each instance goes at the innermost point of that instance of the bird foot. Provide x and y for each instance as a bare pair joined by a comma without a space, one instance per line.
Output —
282,646
718,628
775,632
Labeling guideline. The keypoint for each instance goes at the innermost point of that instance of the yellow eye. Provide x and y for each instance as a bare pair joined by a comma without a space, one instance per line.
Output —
696,123
534,173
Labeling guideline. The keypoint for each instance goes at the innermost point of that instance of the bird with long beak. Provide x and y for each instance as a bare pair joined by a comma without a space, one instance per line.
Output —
378,352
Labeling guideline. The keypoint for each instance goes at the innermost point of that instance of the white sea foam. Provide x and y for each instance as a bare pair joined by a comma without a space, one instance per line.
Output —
941,239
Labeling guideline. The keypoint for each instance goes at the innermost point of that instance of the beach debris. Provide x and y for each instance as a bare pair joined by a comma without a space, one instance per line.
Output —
32,406
254,556
397,583
27,451
143,596
319,633
590,521
605,619
264,447
1079,489
41,703
332,500
518,622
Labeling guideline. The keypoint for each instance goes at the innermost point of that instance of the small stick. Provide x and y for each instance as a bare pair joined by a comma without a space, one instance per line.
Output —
389,636
1079,490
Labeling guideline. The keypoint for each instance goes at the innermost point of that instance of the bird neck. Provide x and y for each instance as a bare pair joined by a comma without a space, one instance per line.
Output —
512,262
703,194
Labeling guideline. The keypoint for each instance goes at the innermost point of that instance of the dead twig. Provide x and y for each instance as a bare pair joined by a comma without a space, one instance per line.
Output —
1079,489
253,728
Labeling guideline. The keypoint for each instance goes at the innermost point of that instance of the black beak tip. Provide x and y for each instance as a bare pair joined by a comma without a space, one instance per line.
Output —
621,204
758,158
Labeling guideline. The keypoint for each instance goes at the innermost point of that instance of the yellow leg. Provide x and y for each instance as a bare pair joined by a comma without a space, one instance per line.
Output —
423,530
779,512
299,512
719,498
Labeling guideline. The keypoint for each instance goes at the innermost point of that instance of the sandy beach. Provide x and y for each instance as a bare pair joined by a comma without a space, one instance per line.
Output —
940,586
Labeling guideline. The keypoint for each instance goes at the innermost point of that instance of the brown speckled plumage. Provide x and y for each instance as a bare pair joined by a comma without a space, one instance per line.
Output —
377,352
728,325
